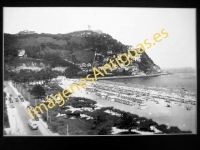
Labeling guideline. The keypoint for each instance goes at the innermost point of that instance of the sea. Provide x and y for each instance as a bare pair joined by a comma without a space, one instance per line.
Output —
178,115
188,81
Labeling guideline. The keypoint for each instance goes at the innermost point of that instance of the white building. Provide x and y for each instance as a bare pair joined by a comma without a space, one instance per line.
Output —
98,31
61,78
21,53
61,69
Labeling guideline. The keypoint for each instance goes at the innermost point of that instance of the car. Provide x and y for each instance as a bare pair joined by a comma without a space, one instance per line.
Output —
33,124
22,99
30,107
12,106
36,118
16,99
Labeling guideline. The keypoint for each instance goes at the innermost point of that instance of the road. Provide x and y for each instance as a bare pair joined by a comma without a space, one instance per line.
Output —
22,115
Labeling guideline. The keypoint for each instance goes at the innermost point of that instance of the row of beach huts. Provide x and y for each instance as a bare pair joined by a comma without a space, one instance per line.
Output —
131,95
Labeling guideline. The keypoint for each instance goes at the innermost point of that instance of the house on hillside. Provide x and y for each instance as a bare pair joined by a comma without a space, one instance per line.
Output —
138,58
156,69
61,69
21,53
106,59
109,52
61,78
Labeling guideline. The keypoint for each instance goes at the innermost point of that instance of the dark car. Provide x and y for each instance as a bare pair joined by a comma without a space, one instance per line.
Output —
22,99
16,99
36,118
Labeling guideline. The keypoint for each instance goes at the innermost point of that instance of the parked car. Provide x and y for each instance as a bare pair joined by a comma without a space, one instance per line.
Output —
16,99
11,101
36,118
12,106
32,124
22,99
30,107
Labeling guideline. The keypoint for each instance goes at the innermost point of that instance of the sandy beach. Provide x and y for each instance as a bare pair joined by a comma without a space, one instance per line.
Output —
172,116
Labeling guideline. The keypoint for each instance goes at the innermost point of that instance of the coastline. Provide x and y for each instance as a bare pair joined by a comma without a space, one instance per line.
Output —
173,116
136,76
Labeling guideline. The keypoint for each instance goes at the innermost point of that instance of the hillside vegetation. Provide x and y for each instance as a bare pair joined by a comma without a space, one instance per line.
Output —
77,47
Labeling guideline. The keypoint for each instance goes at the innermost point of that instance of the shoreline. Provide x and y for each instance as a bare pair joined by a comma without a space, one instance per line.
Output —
130,76
173,116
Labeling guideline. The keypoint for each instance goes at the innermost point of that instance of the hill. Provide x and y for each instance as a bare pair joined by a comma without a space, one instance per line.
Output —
77,47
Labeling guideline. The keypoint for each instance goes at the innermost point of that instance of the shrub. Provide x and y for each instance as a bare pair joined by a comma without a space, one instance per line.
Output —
174,129
92,132
60,121
62,130
54,126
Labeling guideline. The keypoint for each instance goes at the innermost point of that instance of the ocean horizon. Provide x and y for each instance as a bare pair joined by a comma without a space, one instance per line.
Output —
188,81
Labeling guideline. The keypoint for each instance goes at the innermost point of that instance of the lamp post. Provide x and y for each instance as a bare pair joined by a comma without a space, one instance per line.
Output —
67,130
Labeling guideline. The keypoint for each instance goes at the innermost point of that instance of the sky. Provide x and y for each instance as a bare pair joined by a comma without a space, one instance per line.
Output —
130,26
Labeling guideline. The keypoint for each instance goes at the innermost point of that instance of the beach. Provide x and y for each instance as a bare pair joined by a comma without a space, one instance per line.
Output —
173,116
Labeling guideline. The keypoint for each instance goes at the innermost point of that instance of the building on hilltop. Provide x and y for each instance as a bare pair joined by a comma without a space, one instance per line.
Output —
98,31
27,32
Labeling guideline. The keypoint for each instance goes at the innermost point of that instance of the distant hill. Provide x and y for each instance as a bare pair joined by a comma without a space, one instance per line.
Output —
181,70
77,47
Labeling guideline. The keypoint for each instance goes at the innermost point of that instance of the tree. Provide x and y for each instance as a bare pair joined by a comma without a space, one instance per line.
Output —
128,121
99,117
174,129
71,71
145,123
38,91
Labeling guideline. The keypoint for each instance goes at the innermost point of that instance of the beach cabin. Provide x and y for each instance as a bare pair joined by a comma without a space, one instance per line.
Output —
111,98
141,100
124,96
143,106
103,95
90,89
132,98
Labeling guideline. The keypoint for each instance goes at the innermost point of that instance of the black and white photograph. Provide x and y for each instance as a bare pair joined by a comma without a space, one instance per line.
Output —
99,71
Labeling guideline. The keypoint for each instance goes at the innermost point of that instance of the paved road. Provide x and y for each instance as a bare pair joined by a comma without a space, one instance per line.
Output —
23,116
